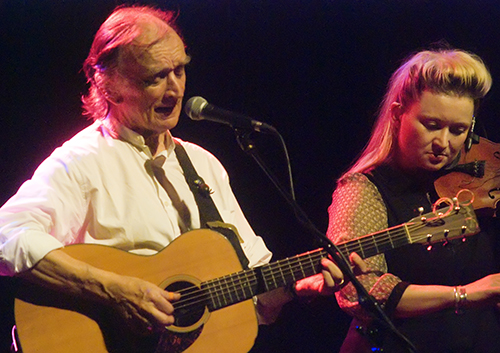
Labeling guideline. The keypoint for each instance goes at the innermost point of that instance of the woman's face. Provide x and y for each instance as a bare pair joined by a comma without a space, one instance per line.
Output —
432,131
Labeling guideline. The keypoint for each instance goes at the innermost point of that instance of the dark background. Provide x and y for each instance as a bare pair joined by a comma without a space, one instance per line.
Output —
314,69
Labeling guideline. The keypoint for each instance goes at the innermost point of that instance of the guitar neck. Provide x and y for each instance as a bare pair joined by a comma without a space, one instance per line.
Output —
240,286
378,242
244,285
428,229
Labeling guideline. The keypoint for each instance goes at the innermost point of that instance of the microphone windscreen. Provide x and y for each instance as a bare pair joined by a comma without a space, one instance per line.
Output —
194,107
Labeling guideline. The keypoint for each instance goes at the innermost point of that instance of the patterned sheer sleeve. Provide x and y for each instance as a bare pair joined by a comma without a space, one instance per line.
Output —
357,209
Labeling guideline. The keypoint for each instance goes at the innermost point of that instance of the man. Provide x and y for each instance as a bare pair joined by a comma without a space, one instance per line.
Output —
99,186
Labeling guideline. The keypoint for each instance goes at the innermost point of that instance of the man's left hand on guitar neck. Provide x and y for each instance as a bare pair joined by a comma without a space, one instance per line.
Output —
330,280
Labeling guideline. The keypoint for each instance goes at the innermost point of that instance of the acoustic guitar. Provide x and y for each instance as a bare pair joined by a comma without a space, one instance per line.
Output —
215,312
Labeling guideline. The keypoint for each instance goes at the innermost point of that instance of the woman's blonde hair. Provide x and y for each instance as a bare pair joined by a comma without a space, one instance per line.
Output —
448,71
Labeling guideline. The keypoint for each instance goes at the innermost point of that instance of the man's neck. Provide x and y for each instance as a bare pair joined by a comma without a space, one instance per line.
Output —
157,143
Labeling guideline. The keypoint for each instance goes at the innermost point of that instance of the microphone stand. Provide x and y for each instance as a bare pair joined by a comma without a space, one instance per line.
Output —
365,299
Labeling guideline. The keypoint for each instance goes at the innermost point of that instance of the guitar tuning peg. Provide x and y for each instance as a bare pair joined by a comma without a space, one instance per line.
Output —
421,211
429,238
464,229
446,233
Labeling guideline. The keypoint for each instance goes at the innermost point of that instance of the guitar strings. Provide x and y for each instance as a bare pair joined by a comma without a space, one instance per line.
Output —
225,285
220,291
220,287
246,281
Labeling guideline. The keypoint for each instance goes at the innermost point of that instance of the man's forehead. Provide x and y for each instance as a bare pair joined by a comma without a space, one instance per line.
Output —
151,29
157,40
168,50
164,54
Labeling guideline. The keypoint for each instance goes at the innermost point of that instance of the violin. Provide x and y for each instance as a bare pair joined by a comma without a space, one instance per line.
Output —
478,170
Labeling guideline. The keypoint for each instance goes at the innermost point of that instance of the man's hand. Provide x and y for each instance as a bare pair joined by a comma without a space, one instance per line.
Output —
331,278
144,306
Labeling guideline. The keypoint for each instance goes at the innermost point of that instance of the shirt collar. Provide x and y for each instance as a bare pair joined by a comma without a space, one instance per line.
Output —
119,131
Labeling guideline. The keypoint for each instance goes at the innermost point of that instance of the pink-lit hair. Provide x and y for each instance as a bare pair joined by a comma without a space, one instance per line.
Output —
117,33
447,71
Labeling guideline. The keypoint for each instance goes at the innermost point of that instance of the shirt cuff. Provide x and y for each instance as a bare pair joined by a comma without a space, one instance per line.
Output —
22,252
393,300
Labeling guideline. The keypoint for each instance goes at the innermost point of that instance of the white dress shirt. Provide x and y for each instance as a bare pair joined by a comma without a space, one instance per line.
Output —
95,188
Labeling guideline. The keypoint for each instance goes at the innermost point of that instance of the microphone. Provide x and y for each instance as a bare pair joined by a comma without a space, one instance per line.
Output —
197,108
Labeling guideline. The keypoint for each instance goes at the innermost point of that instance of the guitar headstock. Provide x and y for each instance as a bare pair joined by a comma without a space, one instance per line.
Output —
444,224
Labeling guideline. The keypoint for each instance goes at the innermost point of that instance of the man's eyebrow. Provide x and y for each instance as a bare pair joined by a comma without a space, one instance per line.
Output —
185,62
166,71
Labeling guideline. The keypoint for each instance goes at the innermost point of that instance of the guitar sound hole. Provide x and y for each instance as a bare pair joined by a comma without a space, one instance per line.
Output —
191,307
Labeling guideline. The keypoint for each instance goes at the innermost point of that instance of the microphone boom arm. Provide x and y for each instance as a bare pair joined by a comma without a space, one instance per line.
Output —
365,299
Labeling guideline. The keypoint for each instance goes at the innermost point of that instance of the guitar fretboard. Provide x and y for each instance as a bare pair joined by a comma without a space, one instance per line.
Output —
379,242
240,286
224,291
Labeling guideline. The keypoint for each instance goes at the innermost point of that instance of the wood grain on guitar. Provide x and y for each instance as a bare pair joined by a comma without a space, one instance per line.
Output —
51,322
215,312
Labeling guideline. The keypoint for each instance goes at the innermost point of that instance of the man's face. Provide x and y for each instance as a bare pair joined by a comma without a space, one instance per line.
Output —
433,130
151,83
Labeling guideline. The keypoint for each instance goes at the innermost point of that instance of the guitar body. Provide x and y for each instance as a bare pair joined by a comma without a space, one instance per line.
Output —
50,322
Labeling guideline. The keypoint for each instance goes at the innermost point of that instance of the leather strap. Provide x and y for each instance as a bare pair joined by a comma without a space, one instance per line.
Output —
209,215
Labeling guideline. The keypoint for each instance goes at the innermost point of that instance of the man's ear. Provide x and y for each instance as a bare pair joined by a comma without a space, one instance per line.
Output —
108,89
397,111
113,97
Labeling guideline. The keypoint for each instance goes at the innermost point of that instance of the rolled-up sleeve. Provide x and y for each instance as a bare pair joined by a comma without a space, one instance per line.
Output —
42,216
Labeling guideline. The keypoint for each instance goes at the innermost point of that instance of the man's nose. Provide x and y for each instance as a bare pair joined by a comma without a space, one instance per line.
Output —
175,84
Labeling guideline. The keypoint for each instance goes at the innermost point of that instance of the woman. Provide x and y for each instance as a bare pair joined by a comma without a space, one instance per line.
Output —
442,299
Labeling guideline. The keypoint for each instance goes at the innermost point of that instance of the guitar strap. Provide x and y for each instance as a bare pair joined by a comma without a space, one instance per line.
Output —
209,215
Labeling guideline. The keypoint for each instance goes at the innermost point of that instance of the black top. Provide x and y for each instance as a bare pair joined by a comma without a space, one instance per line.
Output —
457,263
